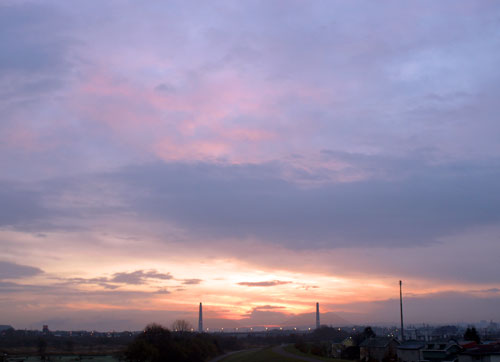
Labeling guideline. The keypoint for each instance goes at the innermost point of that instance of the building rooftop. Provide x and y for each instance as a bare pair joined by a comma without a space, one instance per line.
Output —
484,349
412,345
377,342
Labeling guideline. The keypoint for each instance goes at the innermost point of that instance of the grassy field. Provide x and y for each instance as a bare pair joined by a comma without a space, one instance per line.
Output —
290,348
263,355
63,359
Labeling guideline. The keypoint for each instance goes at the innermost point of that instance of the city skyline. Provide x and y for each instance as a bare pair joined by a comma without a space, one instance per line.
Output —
259,157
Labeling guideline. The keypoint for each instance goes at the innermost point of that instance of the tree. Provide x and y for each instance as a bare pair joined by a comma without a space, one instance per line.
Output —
180,325
369,333
472,335
157,344
42,346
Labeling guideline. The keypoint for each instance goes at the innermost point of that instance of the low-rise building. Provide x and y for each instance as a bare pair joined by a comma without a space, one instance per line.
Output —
378,349
439,351
481,353
410,351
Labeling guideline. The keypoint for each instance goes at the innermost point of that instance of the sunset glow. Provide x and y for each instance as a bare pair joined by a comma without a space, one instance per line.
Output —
258,157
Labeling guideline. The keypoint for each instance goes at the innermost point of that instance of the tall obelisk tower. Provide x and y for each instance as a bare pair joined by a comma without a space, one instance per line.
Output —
200,320
317,315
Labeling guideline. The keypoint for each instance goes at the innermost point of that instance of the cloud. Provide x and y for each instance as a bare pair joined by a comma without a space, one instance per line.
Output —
396,206
268,307
312,129
241,201
35,63
30,50
269,315
191,281
20,206
270,283
139,277
9,270
468,306
491,290
163,291
102,281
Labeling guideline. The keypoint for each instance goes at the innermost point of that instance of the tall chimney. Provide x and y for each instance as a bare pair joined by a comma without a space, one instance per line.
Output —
200,320
317,315
401,308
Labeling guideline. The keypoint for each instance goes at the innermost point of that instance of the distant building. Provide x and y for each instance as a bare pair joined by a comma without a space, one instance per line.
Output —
378,349
45,329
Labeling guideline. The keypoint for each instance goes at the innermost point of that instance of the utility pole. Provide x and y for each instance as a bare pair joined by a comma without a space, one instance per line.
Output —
401,307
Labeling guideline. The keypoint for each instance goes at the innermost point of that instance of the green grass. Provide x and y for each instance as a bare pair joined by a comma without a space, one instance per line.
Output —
63,359
263,355
291,348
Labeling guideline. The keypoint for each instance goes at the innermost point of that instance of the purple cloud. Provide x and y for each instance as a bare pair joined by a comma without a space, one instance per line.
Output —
270,283
9,270
139,277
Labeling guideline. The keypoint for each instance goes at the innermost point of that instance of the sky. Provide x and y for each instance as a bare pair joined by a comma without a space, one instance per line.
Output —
256,156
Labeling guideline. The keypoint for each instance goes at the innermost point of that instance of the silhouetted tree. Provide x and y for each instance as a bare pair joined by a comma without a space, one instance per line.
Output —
325,333
358,338
180,325
368,333
157,344
472,335
42,346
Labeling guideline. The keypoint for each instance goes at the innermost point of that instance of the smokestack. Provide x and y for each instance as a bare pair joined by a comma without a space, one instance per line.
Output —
200,320
401,308
317,315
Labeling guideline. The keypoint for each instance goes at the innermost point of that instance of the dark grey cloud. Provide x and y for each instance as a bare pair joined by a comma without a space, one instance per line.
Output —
491,290
266,316
193,281
467,307
35,58
73,294
139,277
10,270
101,281
413,207
269,283
268,307
19,205
398,202
163,291
29,37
